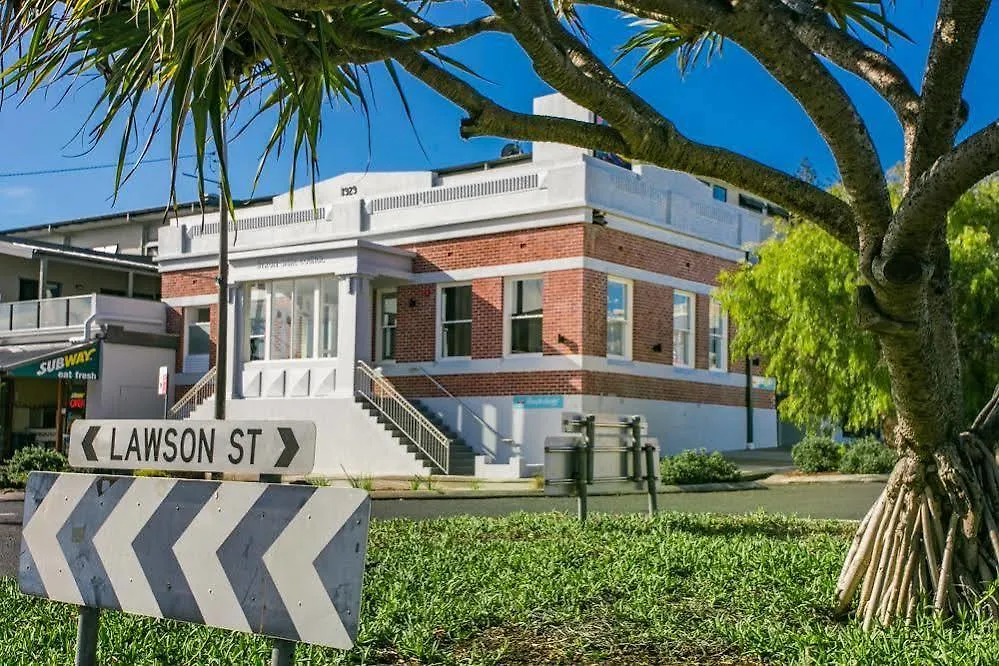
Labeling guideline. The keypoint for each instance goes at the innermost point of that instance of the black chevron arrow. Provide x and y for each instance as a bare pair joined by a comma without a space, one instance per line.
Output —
88,442
153,547
290,447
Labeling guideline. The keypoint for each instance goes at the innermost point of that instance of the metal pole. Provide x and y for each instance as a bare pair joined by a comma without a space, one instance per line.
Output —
86,636
221,342
282,652
580,456
749,403
591,441
650,477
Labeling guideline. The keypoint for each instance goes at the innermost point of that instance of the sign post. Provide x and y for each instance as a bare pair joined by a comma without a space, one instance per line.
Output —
162,388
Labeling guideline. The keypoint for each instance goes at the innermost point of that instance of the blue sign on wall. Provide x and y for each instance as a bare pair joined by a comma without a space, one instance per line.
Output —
539,401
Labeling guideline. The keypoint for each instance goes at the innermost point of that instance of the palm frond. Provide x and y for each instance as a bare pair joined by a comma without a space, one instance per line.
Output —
867,16
660,41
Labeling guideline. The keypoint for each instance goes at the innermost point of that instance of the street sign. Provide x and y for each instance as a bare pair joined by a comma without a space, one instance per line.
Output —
257,447
280,560
161,384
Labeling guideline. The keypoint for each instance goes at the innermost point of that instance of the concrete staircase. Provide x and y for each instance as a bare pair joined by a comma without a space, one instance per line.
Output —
461,456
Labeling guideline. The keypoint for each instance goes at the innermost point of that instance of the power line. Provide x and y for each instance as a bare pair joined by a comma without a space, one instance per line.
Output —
92,167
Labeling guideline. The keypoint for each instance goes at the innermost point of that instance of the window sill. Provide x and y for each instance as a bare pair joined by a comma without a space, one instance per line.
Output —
452,359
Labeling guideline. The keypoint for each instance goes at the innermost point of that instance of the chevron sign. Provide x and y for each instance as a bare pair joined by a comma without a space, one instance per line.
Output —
281,560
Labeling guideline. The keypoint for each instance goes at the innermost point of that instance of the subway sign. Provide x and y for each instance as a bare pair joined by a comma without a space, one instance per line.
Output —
77,364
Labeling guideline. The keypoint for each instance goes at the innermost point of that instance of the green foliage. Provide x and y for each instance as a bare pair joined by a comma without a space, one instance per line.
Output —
689,467
796,309
867,456
816,453
541,589
32,459
658,41
155,473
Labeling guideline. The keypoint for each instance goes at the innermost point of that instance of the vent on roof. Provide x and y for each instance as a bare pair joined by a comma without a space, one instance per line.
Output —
260,222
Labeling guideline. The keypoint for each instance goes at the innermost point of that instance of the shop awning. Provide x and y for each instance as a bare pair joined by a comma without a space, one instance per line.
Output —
77,362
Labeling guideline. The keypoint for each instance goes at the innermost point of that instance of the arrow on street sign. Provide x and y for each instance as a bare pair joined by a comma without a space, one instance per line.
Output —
280,560
257,447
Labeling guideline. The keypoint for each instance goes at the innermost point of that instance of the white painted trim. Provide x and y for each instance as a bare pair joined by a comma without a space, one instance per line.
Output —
508,298
692,336
564,264
439,323
724,337
191,301
568,362
629,317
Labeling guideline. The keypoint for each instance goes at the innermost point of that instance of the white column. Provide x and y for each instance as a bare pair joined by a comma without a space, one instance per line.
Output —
353,329
234,347
43,276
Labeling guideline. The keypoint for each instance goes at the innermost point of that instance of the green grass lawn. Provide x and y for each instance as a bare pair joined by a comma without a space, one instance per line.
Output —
540,589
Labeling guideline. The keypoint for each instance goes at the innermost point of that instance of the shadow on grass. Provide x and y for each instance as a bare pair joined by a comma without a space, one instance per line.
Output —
774,527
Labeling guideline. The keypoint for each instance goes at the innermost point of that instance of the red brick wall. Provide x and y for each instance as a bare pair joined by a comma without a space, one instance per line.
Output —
200,282
578,382
623,248
653,312
487,318
496,249
562,305
415,335
594,316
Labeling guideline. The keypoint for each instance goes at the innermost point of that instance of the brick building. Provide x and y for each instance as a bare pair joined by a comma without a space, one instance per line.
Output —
476,303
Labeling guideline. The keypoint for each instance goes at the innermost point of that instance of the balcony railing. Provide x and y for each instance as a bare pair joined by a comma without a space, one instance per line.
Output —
47,313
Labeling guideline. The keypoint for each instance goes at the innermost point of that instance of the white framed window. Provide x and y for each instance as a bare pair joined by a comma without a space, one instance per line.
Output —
290,319
683,329
524,321
619,320
719,193
454,321
388,309
197,339
717,337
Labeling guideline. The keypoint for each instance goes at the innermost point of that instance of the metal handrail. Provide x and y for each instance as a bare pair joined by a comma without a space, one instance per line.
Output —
197,394
420,430
508,441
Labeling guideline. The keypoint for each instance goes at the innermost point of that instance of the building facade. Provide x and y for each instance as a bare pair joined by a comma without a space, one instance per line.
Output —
491,299
82,334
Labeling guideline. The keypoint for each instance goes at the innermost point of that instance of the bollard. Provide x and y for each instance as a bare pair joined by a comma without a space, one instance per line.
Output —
282,652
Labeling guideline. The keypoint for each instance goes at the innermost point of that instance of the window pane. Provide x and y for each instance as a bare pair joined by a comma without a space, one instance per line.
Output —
528,297
617,300
457,304
304,320
615,337
388,343
389,309
456,339
525,336
257,313
681,312
719,193
281,320
204,315
681,351
328,325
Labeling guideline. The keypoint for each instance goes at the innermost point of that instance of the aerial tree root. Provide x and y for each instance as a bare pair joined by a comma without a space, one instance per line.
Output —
931,539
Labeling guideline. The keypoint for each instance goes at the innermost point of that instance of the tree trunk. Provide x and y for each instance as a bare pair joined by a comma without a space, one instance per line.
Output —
931,541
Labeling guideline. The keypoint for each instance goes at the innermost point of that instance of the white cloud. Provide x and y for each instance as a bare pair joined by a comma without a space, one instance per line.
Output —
16,199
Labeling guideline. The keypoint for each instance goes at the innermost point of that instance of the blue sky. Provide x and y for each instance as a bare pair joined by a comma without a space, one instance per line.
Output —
731,103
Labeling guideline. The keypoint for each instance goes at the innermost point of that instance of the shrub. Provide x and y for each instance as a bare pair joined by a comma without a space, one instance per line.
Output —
32,459
867,456
150,473
697,467
816,453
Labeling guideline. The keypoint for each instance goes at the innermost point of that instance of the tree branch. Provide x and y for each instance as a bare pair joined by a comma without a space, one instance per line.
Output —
486,118
941,111
766,30
814,31
936,191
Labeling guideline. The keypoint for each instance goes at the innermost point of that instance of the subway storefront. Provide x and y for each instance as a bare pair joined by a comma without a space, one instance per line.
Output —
44,389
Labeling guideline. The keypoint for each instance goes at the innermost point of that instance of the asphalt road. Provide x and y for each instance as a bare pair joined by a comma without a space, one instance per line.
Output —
821,500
